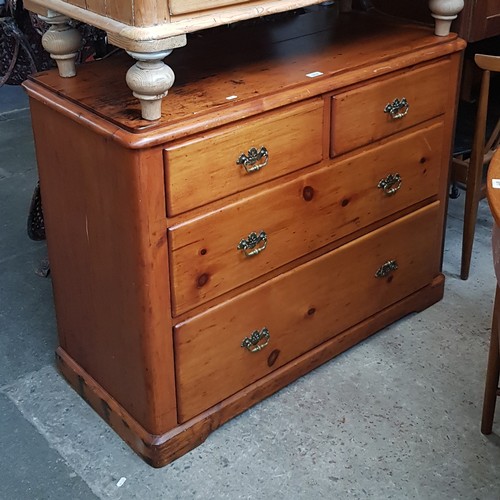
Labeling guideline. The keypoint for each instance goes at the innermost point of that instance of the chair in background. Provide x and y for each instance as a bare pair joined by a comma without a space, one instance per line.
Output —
470,171
491,390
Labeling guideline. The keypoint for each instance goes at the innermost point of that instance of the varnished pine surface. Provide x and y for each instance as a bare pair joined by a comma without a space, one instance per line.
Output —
108,262
301,308
299,216
357,115
292,136
106,205
159,450
494,193
276,55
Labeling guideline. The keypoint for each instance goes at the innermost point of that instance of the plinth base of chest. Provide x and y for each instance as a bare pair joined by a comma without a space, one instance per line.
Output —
159,450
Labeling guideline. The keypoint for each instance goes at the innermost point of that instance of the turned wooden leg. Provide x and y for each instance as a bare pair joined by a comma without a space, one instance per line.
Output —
150,80
444,11
62,42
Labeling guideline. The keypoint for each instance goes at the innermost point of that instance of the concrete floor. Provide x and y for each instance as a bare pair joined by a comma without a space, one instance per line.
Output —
395,417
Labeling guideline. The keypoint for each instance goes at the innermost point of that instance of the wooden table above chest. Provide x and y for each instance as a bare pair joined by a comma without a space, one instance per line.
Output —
150,29
290,203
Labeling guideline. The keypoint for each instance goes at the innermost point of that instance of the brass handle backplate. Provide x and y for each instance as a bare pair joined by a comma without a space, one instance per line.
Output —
253,343
386,269
391,184
397,108
254,244
250,161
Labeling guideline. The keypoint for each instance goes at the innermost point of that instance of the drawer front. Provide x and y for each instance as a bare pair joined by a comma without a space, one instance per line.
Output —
301,309
361,116
205,169
300,216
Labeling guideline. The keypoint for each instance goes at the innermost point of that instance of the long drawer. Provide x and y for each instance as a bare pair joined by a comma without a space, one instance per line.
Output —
245,154
366,114
300,309
300,216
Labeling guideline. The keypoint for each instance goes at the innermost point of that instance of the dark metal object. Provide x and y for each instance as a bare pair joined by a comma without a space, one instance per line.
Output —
36,224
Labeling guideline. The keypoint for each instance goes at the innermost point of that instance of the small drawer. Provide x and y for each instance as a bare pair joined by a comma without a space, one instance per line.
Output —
368,113
242,155
300,309
300,216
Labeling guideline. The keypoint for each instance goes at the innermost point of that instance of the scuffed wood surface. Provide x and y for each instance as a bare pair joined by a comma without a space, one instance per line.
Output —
264,72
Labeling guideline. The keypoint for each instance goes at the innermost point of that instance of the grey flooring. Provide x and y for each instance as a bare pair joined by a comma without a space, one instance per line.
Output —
395,417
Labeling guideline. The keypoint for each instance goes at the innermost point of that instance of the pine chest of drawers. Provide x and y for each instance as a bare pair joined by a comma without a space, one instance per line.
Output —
289,203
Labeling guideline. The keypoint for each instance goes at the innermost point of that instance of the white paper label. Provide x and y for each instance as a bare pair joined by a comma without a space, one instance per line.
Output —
495,183
314,74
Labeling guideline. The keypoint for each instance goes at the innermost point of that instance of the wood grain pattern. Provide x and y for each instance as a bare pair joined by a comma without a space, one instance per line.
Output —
275,66
120,11
322,298
160,450
148,21
358,116
86,4
103,181
151,13
98,6
109,265
205,168
299,216
186,6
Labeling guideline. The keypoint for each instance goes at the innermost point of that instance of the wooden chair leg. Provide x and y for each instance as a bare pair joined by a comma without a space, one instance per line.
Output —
492,372
472,198
475,176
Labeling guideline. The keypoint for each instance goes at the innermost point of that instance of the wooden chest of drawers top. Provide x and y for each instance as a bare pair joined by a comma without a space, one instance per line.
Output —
283,62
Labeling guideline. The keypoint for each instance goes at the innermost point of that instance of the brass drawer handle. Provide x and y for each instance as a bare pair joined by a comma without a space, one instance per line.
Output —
252,343
386,269
254,244
249,160
397,108
391,184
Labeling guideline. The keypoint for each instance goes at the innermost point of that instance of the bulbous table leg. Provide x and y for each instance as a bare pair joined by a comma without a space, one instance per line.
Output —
62,42
150,80
444,11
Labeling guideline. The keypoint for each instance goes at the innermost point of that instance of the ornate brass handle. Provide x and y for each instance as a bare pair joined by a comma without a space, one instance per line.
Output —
249,160
254,244
252,343
397,108
386,269
391,184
